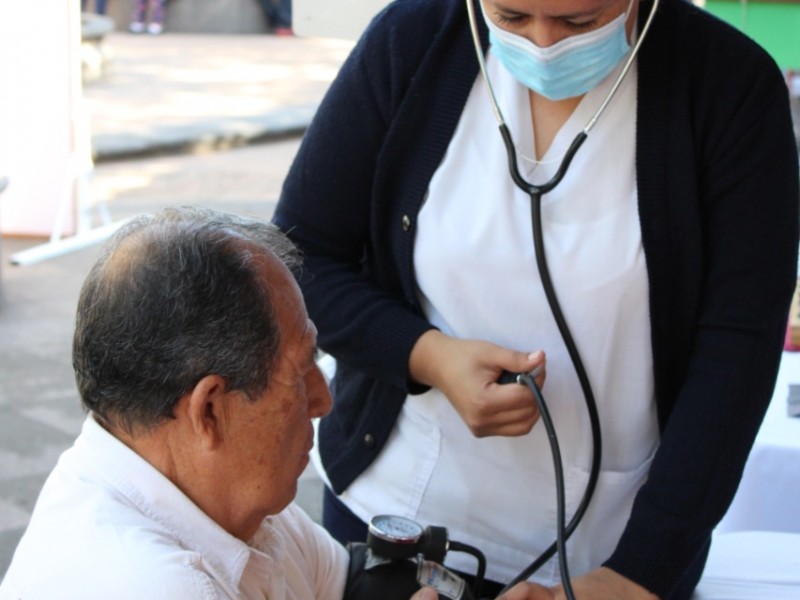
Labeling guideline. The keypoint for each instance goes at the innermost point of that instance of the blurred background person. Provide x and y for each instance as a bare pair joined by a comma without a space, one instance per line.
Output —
279,16
148,15
98,5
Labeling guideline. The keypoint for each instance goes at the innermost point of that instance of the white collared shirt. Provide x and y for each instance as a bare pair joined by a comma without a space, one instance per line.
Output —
107,524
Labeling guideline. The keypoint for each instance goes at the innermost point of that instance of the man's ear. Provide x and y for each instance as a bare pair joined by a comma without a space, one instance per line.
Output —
206,407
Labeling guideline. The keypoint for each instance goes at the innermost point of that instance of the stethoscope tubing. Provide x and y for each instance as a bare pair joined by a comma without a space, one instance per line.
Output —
536,192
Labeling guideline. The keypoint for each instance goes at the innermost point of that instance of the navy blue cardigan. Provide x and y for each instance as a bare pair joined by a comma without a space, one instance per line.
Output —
717,180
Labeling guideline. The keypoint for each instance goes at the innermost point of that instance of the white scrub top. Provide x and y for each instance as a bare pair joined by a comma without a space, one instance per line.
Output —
477,278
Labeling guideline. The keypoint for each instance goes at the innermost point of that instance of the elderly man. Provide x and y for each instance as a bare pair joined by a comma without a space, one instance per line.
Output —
194,356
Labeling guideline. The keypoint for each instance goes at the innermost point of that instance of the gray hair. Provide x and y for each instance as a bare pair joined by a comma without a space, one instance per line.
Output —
176,296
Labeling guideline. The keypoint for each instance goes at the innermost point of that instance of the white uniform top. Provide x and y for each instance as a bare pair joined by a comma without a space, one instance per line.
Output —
109,525
477,275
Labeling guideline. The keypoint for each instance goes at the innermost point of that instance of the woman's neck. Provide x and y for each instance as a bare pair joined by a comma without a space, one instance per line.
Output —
548,117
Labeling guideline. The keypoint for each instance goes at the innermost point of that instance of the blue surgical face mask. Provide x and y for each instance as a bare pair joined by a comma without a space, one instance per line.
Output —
566,69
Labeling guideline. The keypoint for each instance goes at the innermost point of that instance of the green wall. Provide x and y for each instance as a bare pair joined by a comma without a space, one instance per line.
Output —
774,25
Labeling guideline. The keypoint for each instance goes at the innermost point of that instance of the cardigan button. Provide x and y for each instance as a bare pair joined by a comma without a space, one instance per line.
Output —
369,441
406,223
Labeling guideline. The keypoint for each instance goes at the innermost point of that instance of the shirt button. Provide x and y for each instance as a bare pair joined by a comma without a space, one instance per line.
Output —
406,223
369,441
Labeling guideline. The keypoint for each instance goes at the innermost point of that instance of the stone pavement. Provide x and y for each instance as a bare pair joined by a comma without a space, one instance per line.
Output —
161,95
188,93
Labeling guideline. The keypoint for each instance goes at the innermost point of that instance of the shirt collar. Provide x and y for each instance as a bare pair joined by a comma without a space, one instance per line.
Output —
159,499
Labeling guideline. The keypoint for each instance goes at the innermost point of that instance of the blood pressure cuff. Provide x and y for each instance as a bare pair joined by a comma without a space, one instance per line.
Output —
368,578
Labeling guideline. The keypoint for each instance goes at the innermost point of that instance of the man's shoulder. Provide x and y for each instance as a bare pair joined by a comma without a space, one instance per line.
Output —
108,565
88,538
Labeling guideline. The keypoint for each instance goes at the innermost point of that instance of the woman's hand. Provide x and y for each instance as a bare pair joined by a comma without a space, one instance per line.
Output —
466,371
600,584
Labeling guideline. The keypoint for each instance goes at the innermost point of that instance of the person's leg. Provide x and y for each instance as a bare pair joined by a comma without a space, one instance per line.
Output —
100,7
157,11
267,8
282,14
156,24
139,11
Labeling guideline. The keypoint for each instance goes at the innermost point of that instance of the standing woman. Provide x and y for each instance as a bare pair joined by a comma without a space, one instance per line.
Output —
671,243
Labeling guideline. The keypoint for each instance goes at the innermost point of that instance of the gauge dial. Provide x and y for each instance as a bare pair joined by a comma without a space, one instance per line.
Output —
396,529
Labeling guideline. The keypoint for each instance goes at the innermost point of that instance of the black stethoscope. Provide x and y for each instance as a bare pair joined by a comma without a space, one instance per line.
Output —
536,192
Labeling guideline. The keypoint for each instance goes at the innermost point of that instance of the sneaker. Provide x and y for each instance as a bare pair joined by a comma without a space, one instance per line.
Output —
155,28
283,31
136,27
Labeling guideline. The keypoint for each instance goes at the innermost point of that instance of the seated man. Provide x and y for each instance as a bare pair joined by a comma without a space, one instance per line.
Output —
194,356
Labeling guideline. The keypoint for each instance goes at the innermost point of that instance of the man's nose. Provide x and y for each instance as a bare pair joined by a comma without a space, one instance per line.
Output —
319,396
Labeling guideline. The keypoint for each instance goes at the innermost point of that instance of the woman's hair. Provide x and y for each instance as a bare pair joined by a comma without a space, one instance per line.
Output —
176,296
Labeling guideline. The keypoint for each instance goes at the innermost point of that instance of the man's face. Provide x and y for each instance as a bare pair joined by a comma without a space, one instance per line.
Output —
271,435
